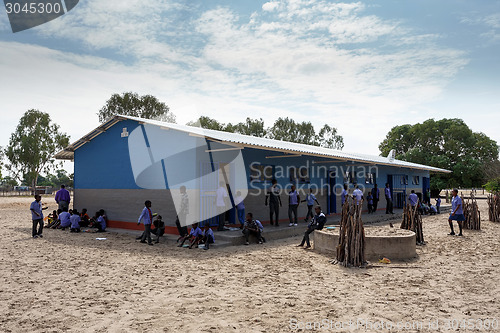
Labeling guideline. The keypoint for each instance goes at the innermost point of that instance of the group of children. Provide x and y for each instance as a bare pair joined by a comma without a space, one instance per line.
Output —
74,220
198,237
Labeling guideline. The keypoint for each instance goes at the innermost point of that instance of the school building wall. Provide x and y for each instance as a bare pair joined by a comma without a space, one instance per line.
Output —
104,179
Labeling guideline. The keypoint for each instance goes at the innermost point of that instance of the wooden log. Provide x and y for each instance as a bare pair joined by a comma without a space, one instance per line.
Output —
351,247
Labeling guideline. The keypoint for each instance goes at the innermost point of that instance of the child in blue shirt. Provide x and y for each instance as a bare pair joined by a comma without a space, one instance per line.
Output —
457,212
194,236
75,221
207,237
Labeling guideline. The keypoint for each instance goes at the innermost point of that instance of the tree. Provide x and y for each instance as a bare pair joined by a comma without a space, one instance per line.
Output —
287,129
253,127
131,104
328,138
33,144
210,123
447,144
493,186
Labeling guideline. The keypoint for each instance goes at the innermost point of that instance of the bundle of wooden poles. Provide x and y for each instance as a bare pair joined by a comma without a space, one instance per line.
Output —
471,213
494,207
351,247
412,220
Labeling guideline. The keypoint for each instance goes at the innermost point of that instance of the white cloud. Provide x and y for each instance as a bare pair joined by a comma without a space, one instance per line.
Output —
315,61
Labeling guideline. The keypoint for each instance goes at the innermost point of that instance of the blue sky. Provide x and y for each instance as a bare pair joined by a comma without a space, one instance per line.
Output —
362,67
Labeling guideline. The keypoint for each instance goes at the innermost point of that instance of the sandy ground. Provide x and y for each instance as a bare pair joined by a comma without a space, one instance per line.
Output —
73,282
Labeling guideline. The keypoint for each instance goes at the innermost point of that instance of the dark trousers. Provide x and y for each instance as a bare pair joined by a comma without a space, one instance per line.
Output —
147,233
370,208
388,208
274,210
208,240
375,204
221,218
183,231
247,233
305,239
75,230
63,205
309,212
292,209
39,223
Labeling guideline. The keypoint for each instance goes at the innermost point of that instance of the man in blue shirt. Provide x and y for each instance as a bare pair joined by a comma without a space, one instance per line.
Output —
388,199
63,198
310,199
37,216
293,204
457,212
344,194
413,198
147,218
376,197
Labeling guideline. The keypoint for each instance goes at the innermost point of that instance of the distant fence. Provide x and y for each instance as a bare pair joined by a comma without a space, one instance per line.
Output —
480,193
24,193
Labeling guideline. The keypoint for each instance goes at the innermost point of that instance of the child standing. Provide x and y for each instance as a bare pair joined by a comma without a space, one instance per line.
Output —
37,216
369,199
147,218
240,208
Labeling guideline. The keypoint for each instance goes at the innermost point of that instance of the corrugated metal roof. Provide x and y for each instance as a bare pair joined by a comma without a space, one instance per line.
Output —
250,141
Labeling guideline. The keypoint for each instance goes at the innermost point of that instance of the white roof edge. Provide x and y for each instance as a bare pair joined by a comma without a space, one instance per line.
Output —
251,141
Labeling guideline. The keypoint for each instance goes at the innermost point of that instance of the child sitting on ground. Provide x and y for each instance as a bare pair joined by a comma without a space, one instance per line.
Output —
75,221
84,218
194,236
51,219
64,219
159,228
207,237
101,221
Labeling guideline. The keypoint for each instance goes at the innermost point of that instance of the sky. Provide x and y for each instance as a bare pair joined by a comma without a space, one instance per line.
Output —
362,67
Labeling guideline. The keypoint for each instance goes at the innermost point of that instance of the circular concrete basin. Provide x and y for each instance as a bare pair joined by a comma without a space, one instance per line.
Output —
381,242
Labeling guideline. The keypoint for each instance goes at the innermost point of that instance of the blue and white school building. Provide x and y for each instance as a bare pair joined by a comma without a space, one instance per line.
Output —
127,160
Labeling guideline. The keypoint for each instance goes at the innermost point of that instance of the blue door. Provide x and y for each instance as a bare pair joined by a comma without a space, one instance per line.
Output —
331,199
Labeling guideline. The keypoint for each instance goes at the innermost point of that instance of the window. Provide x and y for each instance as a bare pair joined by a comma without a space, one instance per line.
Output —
261,172
350,177
300,174
370,178
416,180
404,180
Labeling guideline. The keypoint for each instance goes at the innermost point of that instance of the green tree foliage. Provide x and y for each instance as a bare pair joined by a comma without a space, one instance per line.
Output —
60,177
210,123
284,129
328,138
253,127
33,144
493,186
131,104
447,144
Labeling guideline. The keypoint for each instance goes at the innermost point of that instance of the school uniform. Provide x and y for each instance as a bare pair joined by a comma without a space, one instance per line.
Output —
101,224
37,218
388,199
208,237
369,200
75,223
65,219
310,199
459,215
293,204
146,217
344,195
413,199
240,208
438,205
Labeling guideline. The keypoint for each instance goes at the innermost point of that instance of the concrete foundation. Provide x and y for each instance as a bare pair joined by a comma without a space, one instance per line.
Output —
398,247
